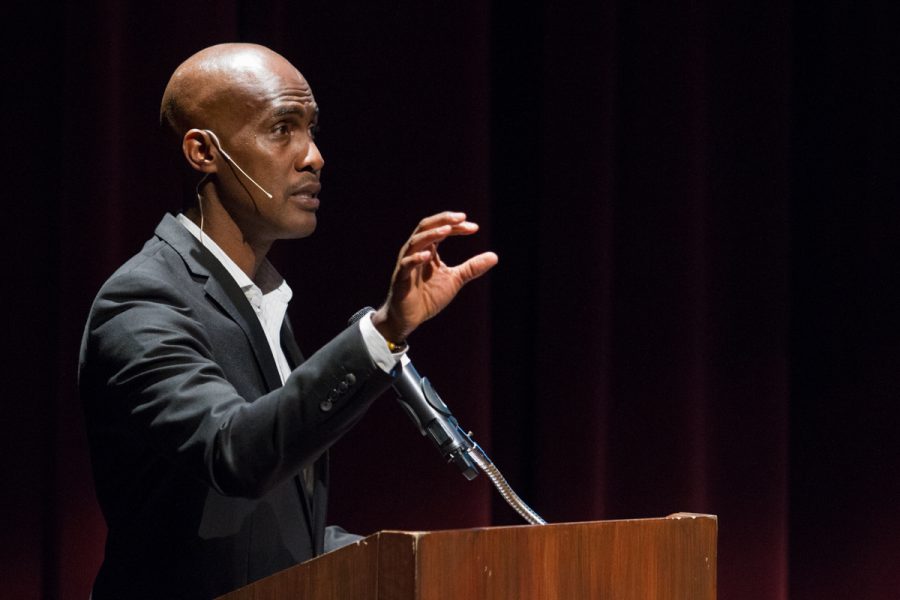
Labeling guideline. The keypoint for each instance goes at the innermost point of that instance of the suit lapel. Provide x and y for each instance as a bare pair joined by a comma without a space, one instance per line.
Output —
232,300
224,291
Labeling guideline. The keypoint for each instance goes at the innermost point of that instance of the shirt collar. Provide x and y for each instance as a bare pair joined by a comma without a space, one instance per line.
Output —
268,276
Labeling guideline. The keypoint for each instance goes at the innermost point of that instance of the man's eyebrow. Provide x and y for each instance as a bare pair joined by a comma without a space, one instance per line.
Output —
294,110
288,110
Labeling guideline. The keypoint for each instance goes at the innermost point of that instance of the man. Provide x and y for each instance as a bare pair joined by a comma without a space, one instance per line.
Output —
208,430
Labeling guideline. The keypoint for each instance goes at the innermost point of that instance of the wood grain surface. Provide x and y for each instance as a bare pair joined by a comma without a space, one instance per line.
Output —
673,558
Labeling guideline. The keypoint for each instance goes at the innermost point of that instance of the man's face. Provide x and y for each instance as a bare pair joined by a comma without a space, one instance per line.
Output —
269,132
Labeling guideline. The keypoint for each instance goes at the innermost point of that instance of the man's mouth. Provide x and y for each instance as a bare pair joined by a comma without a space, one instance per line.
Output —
310,190
307,194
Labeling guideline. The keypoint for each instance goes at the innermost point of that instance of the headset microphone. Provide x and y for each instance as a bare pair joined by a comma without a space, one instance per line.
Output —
234,164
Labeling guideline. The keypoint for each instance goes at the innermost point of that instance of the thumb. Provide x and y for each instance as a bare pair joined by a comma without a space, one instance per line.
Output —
477,266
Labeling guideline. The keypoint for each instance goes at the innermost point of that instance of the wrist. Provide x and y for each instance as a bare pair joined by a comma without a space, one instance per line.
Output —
392,334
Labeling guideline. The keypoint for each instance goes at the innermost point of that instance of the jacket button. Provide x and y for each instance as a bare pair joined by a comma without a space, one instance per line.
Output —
350,378
326,405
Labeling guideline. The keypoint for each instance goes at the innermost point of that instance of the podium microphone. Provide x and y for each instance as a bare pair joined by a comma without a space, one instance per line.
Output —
435,421
429,413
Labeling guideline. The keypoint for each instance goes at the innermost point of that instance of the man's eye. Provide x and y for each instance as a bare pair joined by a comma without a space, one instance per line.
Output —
314,130
282,130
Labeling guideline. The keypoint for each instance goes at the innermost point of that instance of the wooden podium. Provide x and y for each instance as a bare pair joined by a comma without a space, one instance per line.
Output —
673,558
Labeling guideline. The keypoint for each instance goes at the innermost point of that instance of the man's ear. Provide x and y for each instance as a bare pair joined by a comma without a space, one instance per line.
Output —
197,148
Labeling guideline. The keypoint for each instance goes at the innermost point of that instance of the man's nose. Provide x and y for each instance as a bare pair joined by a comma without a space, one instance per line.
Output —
310,159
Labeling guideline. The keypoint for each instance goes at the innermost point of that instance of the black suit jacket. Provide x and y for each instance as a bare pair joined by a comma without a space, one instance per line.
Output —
196,445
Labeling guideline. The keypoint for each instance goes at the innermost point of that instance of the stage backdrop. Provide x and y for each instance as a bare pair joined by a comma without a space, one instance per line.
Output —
695,206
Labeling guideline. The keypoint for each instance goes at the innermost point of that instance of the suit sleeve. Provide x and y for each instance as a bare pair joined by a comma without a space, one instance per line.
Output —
147,369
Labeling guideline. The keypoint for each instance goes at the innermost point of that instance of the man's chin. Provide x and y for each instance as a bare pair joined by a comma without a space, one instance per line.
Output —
304,229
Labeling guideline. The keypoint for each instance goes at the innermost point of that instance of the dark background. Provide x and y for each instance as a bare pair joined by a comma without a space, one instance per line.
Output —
696,308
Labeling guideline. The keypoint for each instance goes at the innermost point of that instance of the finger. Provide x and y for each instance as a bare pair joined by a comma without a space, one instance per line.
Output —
422,239
406,264
476,266
464,228
445,218
456,228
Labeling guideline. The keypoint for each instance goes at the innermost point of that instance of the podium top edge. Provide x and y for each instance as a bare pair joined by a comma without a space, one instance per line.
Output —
673,516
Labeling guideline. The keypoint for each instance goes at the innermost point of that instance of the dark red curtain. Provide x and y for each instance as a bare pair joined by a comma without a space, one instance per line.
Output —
696,304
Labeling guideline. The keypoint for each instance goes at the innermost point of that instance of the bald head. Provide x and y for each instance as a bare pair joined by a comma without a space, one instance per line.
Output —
215,87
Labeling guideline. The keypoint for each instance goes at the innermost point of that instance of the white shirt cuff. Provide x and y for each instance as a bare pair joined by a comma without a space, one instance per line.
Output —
377,346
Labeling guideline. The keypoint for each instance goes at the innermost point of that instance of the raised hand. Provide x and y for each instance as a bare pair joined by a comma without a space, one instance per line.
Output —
422,285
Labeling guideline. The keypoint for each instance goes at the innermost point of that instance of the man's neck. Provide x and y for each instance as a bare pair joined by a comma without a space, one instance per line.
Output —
218,225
